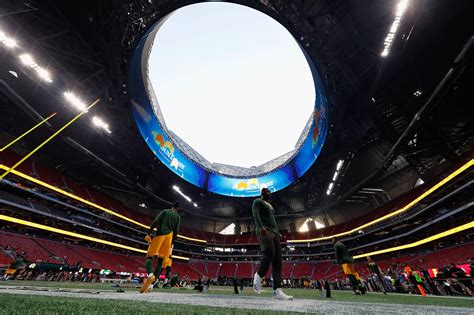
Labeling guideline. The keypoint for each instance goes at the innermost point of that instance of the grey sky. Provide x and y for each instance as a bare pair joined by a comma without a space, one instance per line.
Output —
231,82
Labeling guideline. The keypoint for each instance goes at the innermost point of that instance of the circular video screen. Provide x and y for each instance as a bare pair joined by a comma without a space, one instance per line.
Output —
227,99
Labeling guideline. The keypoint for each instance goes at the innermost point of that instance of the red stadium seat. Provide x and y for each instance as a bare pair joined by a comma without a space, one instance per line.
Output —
34,252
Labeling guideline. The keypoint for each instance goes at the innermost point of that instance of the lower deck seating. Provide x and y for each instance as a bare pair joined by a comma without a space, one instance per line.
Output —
21,243
42,250
5,259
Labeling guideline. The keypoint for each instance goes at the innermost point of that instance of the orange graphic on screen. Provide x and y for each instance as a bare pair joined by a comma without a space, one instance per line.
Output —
160,140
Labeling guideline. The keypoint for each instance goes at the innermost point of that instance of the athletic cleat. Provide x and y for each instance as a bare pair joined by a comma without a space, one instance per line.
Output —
149,283
257,283
279,295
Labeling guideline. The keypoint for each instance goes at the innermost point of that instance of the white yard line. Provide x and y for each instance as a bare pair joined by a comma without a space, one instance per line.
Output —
246,302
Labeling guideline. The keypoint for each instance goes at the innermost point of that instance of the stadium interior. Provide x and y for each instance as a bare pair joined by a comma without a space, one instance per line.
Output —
394,179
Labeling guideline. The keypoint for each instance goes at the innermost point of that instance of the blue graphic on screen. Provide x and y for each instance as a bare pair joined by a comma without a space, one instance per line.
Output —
164,149
169,154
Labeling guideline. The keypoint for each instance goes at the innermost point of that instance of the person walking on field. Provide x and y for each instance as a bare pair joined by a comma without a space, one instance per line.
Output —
160,243
269,239
344,259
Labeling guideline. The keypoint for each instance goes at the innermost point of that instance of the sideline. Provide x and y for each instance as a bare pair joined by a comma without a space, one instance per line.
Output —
258,303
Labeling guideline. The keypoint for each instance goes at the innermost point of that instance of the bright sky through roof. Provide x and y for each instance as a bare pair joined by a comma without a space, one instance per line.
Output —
231,82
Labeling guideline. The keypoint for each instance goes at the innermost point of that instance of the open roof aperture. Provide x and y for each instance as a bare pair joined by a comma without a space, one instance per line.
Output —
231,82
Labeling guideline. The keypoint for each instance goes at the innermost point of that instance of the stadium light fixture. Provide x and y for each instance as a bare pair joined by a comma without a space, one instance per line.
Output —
392,214
195,204
179,257
7,41
431,238
191,239
400,11
98,122
76,235
67,194
331,185
42,73
68,233
87,202
176,188
27,60
334,177
405,208
75,101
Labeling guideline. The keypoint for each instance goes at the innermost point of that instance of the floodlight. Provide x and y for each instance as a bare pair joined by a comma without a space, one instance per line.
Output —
101,124
400,11
44,74
176,188
75,101
27,59
7,41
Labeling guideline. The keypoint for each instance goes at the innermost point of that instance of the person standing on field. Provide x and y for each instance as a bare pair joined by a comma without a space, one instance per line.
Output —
269,238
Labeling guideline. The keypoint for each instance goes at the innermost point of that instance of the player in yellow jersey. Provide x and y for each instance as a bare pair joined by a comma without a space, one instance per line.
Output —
160,242
167,262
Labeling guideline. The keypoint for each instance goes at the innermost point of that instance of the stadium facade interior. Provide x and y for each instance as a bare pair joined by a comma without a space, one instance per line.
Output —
393,179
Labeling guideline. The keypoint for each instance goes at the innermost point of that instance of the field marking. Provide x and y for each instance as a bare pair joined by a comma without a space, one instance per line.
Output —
429,296
258,303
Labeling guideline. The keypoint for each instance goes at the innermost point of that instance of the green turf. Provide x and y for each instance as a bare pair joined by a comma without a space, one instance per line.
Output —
24,304
345,296
69,285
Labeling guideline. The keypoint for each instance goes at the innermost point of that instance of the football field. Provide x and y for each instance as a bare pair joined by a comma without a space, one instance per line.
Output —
23,297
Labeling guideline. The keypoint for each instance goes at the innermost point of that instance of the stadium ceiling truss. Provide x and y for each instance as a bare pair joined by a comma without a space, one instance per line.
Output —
237,171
